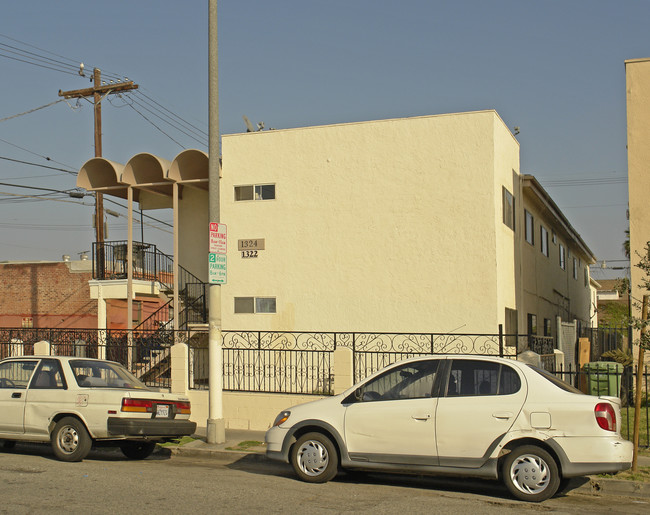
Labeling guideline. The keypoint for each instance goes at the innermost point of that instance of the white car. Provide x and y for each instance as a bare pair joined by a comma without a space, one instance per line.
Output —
457,415
75,402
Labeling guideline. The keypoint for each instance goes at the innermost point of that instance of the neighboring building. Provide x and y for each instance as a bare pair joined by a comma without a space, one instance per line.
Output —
57,294
420,224
613,302
637,78
47,294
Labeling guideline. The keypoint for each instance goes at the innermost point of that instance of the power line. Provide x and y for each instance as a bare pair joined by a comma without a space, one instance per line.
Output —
34,153
32,110
38,164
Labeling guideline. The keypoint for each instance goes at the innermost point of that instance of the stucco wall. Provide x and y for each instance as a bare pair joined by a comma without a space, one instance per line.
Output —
637,75
376,226
193,231
548,290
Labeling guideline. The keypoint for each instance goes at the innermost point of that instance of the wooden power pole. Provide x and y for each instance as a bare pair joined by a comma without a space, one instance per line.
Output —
98,92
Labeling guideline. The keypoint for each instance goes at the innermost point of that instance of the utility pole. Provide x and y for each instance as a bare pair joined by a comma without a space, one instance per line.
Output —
98,92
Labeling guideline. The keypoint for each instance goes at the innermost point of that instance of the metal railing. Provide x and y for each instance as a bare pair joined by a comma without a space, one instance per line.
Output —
150,264
608,379
145,353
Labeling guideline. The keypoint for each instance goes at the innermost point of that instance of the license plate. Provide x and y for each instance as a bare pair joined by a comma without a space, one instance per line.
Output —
162,410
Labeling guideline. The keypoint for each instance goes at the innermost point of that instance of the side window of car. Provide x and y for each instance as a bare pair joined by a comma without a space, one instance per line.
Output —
409,381
48,376
509,381
16,374
476,377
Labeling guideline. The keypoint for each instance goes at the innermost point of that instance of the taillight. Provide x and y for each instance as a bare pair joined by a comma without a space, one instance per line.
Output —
605,416
137,405
147,405
183,408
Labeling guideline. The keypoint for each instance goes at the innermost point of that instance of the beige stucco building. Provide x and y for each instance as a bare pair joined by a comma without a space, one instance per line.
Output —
637,78
421,224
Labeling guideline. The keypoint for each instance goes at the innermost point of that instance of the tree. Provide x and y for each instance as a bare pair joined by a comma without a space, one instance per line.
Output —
644,342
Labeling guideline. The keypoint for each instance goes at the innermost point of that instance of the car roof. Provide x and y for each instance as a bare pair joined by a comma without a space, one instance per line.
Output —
61,358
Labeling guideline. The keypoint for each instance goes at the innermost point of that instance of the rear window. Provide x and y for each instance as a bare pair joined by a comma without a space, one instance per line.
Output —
556,380
104,374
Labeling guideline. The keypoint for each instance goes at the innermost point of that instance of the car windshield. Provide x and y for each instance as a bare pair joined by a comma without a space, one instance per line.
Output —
556,380
104,374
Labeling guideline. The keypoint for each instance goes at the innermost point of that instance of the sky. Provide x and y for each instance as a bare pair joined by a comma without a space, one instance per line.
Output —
554,69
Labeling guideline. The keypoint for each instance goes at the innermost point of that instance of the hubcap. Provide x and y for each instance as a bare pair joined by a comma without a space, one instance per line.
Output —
68,439
530,474
312,458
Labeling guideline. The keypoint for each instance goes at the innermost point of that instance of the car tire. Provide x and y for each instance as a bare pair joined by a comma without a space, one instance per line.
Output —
314,458
530,473
137,450
70,440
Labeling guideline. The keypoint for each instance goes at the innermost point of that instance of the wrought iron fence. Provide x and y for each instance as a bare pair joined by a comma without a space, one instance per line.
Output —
373,351
269,362
145,353
611,379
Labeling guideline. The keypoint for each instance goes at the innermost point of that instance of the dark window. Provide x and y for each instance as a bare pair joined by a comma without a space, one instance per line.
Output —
412,380
508,209
529,228
473,377
532,323
547,327
544,237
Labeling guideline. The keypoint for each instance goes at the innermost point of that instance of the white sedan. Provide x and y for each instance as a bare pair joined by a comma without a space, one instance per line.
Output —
457,415
75,402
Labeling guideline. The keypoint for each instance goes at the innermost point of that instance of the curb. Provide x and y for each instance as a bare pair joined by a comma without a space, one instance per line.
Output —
603,486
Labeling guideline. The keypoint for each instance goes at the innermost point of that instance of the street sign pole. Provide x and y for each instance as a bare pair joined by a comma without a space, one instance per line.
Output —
216,426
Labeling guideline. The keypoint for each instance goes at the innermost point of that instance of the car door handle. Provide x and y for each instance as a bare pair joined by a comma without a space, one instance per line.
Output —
16,395
502,415
424,416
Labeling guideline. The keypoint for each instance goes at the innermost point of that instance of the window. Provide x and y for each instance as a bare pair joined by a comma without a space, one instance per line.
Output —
508,209
410,381
554,238
544,237
48,376
547,327
255,192
562,257
532,323
16,374
586,276
575,268
255,305
530,228
473,377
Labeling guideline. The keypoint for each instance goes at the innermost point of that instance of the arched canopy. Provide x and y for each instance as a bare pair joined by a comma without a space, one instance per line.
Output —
100,174
190,167
151,177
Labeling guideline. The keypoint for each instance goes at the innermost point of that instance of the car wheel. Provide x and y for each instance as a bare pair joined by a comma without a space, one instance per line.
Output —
530,473
137,450
314,458
70,440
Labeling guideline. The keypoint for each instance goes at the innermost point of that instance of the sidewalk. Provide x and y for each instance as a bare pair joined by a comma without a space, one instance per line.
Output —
250,445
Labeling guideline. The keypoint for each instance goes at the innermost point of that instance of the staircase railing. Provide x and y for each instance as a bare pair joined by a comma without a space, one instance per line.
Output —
151,264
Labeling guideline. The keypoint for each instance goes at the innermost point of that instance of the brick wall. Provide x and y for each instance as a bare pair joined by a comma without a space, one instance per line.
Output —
51,294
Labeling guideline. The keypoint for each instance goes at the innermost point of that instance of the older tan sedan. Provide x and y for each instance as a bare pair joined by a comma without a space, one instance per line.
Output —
75,402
